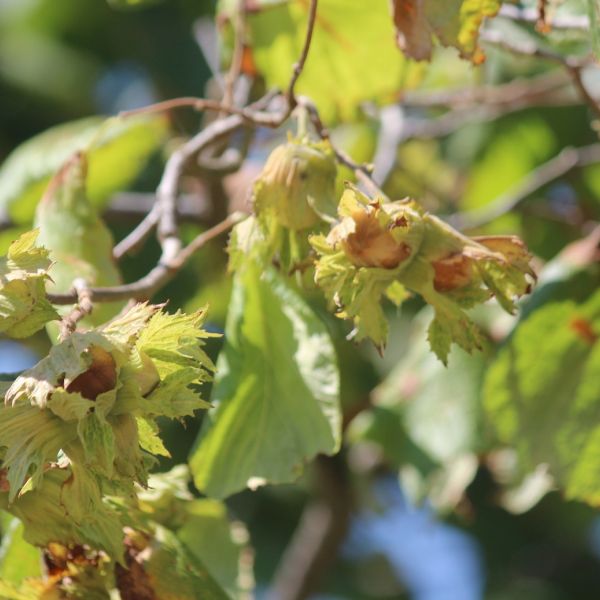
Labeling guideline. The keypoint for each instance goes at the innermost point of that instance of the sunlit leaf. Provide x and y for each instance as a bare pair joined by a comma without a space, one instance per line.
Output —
24,308
219,544
18,559
86,251
353,35
117,149
541,394
276,392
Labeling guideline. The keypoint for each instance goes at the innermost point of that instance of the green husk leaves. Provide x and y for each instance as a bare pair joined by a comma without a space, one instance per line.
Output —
383,249
70,427
293,196
24,308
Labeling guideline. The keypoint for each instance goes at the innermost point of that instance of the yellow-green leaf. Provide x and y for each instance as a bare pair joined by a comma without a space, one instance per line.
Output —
541,394
276,390
79,242
24,308
117,149
350,36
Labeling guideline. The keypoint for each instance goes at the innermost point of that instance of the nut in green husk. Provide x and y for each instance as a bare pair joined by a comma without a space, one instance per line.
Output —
378,246
80,424
297,184
374,234
101,375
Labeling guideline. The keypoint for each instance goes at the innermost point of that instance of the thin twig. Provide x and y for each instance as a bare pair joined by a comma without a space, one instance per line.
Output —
81,310
361,170
167,190
144,288
555,168
573,65
531,15
136,238
522,92
299,65
248,114
238,54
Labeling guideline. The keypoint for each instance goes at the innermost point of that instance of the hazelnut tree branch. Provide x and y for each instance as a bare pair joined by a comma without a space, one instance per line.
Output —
532,15
168,266
299,65
560,165
163,215
168,185
320,532
572,65
83,308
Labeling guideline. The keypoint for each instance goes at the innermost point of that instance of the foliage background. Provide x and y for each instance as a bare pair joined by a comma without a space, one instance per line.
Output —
63,60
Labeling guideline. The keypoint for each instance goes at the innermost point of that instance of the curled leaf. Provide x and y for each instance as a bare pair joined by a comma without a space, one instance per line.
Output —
454,23
86,252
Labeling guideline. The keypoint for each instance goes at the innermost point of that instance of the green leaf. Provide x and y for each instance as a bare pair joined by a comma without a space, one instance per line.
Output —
18,559
32,439
541,394
173,342
175,572
98,441
86,252
276,390
217,543
68,507
440,407
353,35
149,438
449,325
117,148
24,308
